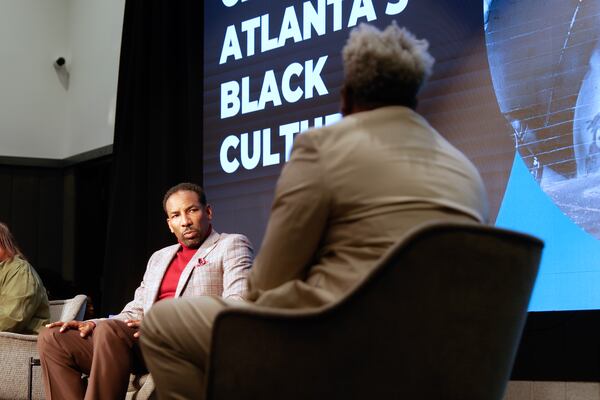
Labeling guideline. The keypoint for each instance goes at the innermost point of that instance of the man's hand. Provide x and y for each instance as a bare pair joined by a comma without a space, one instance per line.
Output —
134,323
84,327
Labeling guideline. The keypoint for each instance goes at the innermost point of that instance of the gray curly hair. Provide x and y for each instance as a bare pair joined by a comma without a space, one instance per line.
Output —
385,67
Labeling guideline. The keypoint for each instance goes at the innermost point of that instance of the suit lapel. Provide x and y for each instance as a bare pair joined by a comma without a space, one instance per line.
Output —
161,268
209,244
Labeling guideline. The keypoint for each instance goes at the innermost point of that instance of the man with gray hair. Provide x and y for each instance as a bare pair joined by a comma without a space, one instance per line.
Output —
349,192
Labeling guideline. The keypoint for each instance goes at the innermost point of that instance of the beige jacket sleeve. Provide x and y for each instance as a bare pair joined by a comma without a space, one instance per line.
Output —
298,219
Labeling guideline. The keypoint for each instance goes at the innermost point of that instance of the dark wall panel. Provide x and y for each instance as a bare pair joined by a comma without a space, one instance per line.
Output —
49,221
5,194
25,214
560,346
91,194
31,205
58,215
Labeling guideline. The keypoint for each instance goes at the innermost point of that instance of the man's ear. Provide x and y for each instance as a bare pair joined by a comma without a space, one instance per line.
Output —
346,100
208,211
169,224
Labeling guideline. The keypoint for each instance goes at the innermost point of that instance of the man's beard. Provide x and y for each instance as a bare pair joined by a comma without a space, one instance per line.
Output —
194,242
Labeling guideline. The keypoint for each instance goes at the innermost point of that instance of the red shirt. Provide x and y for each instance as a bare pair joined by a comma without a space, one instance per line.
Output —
174,270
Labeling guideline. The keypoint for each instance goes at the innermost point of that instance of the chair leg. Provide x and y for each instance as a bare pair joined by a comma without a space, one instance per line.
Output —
32,363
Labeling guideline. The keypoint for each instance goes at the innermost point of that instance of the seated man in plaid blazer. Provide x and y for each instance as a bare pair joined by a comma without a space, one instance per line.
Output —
203,263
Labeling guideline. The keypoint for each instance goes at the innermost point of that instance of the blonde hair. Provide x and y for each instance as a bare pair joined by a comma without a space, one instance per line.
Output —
8,243
388,66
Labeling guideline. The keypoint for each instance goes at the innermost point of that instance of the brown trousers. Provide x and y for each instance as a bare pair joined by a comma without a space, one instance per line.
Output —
107,356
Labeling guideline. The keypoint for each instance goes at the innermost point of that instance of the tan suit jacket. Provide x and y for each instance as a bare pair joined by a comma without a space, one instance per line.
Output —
350,191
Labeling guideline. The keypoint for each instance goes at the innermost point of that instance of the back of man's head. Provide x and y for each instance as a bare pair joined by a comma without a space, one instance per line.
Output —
385,67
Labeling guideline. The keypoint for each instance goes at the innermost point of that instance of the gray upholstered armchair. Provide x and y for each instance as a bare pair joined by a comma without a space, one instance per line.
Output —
439,318
17,351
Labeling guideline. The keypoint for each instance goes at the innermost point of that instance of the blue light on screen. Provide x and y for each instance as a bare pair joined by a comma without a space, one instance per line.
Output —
569,276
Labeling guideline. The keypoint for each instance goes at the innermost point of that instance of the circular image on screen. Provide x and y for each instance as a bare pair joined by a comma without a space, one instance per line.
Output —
544,57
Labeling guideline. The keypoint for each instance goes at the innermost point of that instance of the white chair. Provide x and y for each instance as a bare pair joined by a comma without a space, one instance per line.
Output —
18,354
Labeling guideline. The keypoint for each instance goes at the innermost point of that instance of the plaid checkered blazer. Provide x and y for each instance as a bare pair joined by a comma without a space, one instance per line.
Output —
220,267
